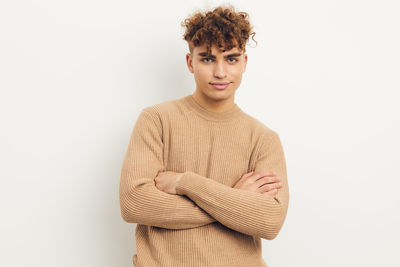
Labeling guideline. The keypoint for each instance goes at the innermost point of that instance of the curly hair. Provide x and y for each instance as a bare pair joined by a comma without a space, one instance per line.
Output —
223,27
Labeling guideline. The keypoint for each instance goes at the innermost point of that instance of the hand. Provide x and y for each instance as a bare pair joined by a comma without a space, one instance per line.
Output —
166,181
262,182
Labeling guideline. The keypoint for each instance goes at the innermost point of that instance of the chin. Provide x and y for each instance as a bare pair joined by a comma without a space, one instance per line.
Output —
218,95
221,95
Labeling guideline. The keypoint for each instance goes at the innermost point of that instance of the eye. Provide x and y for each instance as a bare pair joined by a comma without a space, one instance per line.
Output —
235,60
206,59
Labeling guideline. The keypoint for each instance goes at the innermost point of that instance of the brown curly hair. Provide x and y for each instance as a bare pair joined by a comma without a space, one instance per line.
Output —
222,26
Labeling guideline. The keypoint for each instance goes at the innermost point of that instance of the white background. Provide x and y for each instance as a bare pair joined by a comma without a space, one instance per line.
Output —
74,76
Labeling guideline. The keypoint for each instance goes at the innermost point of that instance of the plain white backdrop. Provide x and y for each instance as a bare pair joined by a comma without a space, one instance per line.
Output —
74,76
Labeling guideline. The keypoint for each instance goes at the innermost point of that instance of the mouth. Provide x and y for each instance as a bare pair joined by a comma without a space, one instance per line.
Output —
220,86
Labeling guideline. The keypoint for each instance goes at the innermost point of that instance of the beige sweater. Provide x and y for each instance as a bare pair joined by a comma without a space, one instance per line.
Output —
208,223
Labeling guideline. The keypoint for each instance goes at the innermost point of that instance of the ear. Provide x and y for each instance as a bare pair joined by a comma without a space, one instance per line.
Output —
189,62
245,62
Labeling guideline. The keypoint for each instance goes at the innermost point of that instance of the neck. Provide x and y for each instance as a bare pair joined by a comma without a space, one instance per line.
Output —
212,104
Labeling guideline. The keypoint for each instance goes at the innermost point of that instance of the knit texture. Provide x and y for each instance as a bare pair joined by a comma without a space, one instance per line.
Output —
208,223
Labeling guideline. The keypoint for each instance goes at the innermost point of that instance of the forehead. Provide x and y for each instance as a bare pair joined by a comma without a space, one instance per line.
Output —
214,50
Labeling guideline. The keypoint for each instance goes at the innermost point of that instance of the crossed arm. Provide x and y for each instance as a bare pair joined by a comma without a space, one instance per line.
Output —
140,200
199,200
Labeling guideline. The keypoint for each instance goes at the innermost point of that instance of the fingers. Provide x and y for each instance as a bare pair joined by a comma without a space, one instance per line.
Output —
247,175
266,184
262,176
271,186
267,180
271,193
267,177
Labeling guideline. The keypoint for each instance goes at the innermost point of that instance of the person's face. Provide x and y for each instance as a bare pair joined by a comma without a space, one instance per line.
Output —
219,67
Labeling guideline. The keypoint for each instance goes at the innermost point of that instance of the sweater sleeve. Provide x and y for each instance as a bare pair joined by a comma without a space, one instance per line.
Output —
245,211
140,200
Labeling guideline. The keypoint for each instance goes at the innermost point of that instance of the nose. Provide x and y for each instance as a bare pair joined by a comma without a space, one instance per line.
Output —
219,71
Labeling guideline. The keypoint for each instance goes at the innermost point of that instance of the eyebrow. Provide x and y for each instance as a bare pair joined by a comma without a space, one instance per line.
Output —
204,54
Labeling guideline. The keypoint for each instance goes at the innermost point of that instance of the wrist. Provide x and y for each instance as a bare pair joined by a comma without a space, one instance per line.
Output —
179,177
177,184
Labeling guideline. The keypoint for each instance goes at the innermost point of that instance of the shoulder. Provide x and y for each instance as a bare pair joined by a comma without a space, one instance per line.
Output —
151,117
263,130
162,109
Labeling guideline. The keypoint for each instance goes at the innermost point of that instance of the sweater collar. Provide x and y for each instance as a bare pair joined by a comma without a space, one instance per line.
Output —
212,115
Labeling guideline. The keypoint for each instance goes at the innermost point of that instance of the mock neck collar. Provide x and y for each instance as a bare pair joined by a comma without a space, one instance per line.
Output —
212,115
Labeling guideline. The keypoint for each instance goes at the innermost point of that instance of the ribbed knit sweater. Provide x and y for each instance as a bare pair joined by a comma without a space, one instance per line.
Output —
208,223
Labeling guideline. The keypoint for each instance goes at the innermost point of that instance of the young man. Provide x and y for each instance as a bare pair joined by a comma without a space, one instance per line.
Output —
203,180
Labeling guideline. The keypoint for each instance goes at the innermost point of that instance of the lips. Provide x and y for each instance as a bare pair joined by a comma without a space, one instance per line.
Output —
220,86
